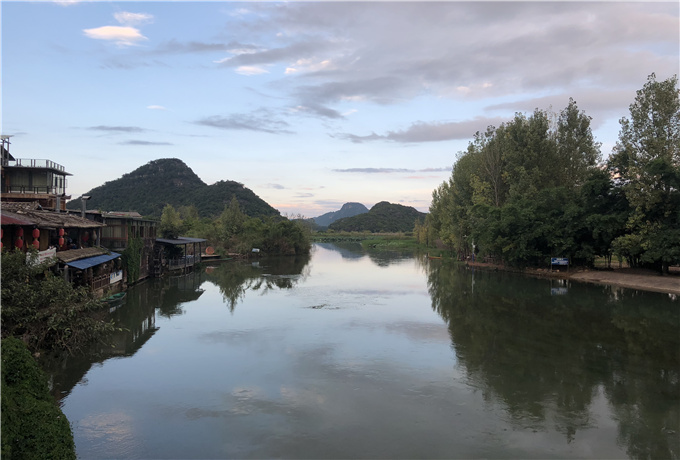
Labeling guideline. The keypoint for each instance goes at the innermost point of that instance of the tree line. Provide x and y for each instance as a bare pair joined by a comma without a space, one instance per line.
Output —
235,232
537,187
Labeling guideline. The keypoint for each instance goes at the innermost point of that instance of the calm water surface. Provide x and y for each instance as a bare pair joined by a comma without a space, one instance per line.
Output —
379,355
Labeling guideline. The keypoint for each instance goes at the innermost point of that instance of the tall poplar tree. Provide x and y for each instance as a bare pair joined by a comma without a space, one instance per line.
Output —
647,160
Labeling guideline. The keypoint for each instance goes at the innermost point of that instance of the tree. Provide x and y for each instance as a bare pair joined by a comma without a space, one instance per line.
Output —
171,222
576,149
647,159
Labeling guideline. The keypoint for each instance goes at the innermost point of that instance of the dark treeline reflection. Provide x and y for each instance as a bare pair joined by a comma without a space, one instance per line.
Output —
352,250
546,358
135,316
234,279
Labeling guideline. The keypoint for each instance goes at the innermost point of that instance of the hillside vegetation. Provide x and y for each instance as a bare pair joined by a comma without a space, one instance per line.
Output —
383,217
149,188
347,210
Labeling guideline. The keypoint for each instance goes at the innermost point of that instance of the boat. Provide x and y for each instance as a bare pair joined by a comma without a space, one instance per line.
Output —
433,257
114,298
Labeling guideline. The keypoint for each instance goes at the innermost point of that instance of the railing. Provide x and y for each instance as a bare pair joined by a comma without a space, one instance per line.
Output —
100,281
33,163
45,190
181,262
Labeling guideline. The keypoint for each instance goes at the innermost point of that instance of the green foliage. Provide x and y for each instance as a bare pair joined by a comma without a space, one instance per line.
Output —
647,160
149,188
132,258
235,232
33,426
515,193
383,217
171,222
45,310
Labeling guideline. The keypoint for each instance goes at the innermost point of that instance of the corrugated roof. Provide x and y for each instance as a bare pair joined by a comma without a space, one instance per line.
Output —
82,264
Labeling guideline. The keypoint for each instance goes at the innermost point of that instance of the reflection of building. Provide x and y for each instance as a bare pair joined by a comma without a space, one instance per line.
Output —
31,180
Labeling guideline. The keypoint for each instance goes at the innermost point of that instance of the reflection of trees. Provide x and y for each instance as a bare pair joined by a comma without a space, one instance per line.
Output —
135,316
546,357
234,279
353,250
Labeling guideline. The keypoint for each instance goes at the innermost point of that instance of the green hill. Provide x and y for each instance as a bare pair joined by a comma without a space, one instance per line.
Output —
149,188
383,217
347,210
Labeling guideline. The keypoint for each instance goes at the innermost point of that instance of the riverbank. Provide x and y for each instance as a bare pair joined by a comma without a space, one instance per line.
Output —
646,280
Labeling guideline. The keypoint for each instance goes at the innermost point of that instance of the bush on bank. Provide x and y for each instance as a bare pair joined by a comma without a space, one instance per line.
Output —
47,312
33,426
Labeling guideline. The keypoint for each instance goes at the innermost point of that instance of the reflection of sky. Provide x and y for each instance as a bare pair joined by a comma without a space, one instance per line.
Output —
370,373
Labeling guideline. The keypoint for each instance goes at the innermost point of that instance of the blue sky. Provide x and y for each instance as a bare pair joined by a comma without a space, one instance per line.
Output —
312,104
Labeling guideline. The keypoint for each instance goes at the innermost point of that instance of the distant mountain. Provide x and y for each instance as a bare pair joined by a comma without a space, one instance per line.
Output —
149,188
383,217
347,210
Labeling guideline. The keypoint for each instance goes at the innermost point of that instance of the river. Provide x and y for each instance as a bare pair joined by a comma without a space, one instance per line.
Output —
349,354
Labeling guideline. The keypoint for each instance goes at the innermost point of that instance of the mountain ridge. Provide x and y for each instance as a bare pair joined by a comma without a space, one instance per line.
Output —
150,187
348,209
383,217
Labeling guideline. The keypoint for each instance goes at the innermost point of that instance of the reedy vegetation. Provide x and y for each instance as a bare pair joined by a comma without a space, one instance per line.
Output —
536,187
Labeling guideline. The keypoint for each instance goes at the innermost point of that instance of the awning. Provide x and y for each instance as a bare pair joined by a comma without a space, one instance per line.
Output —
82,264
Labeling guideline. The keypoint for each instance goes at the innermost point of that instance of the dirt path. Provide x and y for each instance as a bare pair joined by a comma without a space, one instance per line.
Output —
645,280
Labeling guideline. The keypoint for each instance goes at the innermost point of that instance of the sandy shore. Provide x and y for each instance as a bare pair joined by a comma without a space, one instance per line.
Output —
645,280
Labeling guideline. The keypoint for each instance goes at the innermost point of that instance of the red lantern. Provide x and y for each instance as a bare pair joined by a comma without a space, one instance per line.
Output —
86,236
61,232
20,232
19,243
36,244
36,233
61,242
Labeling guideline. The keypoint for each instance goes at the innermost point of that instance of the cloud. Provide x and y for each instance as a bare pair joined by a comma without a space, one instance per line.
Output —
250,70
121,35
137,142
175,47
390,170
156,107
117,129
275,186
429,132
132,19
377,53
125,34
262,121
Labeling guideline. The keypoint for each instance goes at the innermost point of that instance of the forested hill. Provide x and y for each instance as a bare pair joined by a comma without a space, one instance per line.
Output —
149,188
383,217
347,210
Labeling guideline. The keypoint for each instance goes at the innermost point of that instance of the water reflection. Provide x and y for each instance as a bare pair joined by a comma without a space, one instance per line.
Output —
135,316
237,278
353,250
549,359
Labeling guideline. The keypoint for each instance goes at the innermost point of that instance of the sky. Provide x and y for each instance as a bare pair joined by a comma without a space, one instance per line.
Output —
313,104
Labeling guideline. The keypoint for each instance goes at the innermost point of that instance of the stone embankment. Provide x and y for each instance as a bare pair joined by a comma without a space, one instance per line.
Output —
646,280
